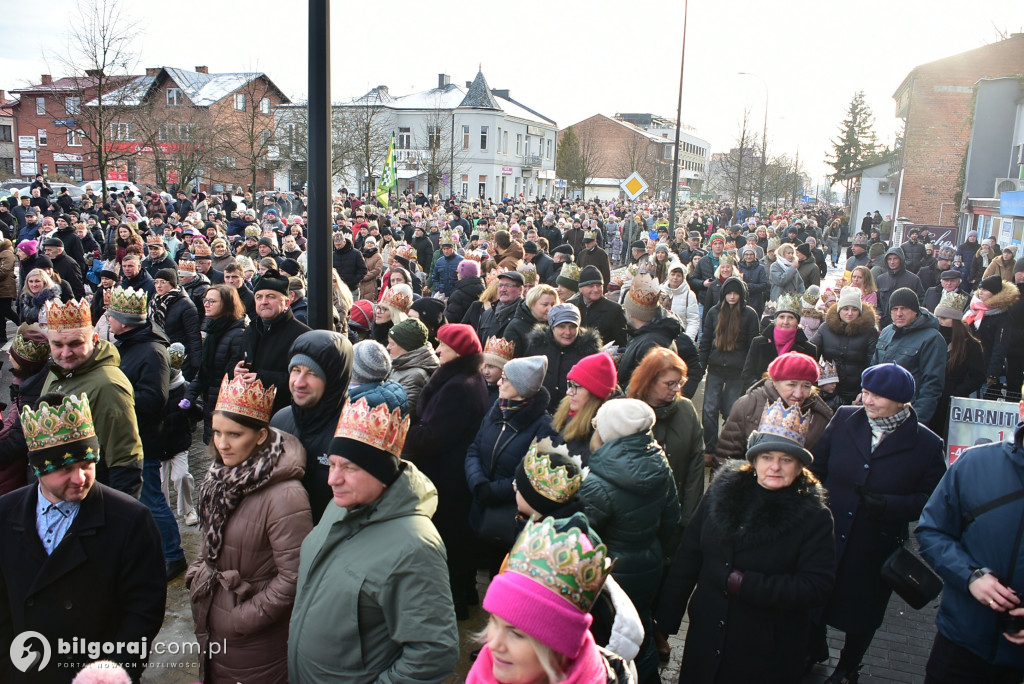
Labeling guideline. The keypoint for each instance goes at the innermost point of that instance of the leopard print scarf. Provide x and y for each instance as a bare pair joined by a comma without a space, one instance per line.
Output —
226,486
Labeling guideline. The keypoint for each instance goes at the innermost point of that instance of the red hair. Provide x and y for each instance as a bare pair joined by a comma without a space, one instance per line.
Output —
657,361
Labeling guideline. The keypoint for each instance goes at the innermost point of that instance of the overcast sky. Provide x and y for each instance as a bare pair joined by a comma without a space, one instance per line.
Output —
572,60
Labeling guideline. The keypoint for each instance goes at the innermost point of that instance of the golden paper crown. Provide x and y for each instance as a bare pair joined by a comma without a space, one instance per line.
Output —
529,272
447,238
726,260
589,235
399,296
570,271
53,426
558,561
644,292
789,301
201,248
252,232
552,482
71,316
152,239
176,354
251,400
953,300
130,302
788,422
497,346
406,252
187,266
827,372
376,427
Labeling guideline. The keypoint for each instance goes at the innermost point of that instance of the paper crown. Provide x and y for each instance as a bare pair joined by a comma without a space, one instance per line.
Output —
497,346
558,561
789,302
447,238
58,426
176,354
529,272
406,251
955,301
130,302
551,482
782,421
152,239
201,248
71,316
809,298
828,373
28,349
252,232
187,266
589,235
376,427
726,260
399,296
644,291
251,400
570,271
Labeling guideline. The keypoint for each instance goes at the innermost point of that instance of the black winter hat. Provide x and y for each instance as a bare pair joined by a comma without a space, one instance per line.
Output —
994,284
271,280
804,249
734,284
1019,266
905,297
168,274
590,275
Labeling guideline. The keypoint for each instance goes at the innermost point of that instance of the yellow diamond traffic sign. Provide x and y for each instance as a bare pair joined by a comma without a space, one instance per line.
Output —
634,186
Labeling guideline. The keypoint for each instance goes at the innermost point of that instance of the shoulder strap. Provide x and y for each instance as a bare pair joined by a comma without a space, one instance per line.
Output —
991,505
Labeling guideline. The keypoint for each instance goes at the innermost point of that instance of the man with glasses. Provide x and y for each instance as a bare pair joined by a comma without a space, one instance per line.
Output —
493,321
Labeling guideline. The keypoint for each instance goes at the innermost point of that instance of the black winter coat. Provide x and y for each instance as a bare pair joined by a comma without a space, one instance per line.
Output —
73,247
182,324
782,543
994,331
727,364
113,537
962,380
350,265
915,253
890,281
206,385
661,331
464,293
763,352
142,281
265,347
145,363
849,346
546,270
70,273
604,316
560,359
490,321
448,414
903,470
315,427
520,328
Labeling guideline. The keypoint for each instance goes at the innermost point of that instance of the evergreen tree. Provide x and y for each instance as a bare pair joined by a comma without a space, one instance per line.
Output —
569,164
857,144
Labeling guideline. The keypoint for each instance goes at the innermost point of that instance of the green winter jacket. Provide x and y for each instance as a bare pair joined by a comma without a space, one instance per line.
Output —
111,400
680,434
373,602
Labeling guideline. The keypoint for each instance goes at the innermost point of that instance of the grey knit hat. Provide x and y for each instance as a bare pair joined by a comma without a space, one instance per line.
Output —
564,313
526,374
370,362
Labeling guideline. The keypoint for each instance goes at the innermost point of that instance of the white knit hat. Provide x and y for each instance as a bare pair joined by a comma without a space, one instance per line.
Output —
850,296
623,417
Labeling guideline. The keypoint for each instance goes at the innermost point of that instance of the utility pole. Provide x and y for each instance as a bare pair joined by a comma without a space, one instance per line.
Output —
679,122
318,228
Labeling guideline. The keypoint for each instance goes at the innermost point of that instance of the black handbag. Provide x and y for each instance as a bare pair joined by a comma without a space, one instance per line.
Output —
911,578
498,524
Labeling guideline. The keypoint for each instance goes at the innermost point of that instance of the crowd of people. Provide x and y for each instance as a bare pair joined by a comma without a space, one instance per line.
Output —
506,389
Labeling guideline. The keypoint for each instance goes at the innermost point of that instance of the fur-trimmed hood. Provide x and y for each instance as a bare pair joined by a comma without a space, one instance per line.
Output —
542,334
861,325
1005,298
742,512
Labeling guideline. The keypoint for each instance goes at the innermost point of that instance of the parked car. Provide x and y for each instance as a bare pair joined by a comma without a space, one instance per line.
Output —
112,186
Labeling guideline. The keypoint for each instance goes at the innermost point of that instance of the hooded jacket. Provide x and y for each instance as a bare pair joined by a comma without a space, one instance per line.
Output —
849,346
660,331
314,426
464,293
755,276
678,430
921,349
683,303
412,369
374,267
890,281
383,563
727,364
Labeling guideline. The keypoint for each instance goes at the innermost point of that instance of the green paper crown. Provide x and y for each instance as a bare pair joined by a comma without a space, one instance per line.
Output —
552,482
176,353
570,271
52,426
30,350
130,302
789,302
558,561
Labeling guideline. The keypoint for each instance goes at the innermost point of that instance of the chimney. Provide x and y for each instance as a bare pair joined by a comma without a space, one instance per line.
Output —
1017,35
94,73
203,70
443,80
382,89
2,98
152,71
469,83
46,79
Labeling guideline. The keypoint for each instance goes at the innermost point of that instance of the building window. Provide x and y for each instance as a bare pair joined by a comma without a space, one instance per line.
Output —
434,137
44,169
6,133
519,144
40,105
240,102
74,138
266,137
175,98
226,162
404,139
72,105
7,166
265,106
465,137
120,131
504,142
527,148
72,171
549,149
483,137
42,137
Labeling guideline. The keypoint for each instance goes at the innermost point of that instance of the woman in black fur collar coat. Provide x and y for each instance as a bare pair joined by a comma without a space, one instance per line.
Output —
759,551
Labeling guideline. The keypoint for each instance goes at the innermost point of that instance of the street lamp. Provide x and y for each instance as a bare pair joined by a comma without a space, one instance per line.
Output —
764,139
674,194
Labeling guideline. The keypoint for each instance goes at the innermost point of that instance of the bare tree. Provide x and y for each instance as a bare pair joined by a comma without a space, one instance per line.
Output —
182,144
98,59
636,155
368,124
732,171
291,139
591,157
251,134
442,154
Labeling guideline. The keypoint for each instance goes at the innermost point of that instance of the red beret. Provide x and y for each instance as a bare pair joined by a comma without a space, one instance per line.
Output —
793,366
460,337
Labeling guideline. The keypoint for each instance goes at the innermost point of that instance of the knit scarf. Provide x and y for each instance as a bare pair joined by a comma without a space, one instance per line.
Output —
977,312
784,339
162,304
226,486
883,427
510,407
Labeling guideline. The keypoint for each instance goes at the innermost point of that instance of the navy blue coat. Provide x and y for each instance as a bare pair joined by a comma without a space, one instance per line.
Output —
904,470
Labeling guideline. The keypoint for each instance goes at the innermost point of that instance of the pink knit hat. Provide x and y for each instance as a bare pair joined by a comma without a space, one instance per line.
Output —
596,374
538,611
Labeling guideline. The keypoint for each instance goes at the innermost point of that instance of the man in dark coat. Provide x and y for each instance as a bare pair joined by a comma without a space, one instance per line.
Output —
64,266
930,275
94,573
545,265
145,363
493,321
913,250
348,261
319,371
268,339
592,255
133,276
596,311
72,243
895,277
158,258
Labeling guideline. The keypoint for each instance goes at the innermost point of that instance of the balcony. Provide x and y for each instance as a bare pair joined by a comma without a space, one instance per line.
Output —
532,160
411,155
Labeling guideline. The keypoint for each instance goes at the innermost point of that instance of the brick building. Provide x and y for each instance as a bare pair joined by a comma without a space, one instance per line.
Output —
936,100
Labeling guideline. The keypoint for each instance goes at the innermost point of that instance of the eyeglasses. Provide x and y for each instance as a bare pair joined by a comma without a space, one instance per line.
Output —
572,387
210,302
673,384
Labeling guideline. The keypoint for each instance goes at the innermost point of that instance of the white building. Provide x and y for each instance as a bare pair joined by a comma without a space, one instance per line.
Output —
498,147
